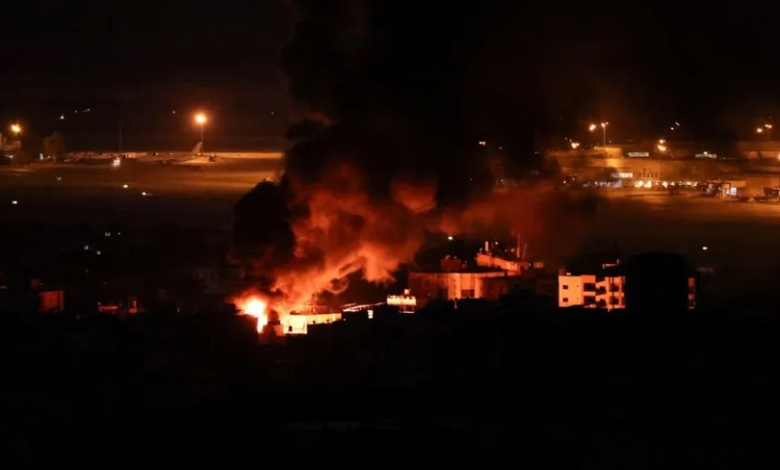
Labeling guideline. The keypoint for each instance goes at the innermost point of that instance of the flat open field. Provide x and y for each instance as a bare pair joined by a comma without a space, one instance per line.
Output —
176,195
742,239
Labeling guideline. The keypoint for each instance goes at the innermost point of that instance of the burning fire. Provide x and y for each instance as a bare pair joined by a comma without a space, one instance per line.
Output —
254,307
306,238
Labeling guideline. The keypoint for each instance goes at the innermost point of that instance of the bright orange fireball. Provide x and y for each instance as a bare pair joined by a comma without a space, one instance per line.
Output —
254,307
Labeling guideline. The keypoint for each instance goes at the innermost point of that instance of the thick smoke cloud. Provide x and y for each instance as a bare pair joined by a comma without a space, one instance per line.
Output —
388,152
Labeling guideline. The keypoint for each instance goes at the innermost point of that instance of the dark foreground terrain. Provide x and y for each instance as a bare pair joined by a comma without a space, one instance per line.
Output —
568,388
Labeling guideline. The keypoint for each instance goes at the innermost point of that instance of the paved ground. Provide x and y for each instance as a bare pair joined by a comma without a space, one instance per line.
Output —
175,195
742,239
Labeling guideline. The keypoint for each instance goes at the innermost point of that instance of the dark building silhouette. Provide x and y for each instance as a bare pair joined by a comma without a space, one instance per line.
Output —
657,282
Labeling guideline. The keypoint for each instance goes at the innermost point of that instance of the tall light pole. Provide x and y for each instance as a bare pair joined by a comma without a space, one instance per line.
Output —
16,129
201,119
768,131
603,125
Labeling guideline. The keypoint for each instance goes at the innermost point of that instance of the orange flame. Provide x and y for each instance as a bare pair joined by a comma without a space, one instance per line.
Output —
254,307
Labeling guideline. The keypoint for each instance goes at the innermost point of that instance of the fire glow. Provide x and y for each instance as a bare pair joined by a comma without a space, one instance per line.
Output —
254,307
334,228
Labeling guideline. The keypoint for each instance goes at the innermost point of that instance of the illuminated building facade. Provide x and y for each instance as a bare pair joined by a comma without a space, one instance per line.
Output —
298,324
602,290
407,302
605,288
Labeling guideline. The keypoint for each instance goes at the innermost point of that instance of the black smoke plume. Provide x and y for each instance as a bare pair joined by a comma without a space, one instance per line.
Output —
401,134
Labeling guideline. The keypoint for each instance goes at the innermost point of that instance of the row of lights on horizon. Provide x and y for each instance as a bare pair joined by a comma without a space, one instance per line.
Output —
661,142
200,119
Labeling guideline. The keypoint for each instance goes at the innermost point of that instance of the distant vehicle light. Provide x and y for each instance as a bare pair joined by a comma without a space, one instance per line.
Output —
125,186
14,202
704,248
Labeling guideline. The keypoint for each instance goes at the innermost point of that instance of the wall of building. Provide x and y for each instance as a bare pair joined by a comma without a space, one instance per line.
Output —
647,168
448,286
490,261
298,324
591,291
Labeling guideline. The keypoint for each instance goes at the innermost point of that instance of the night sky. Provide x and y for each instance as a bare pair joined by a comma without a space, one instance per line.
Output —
522,72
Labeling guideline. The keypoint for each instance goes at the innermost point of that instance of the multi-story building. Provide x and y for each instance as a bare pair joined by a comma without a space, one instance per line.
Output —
601,289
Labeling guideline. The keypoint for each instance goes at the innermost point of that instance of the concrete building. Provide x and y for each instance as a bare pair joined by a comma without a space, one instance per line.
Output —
428,286
606,287
758,149
600,289
407,302
298,324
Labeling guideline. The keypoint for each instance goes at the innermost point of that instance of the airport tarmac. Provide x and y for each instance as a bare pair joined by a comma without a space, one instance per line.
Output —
742,240
142,192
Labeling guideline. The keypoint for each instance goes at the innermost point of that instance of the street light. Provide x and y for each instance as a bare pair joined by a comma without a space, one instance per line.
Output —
16,129
201,119
768,131
603,125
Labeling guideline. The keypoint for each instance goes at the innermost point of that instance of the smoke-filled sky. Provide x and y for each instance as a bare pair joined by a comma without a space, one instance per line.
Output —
388,150
517,71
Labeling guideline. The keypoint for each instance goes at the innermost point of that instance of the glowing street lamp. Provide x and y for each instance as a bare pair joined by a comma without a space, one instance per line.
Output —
603,125
201,120
16,129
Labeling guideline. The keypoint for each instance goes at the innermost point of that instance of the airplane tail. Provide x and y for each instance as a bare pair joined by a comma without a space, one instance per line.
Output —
196,149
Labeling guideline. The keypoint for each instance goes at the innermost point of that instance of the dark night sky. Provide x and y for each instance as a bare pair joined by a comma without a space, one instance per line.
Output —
139,61
640,65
